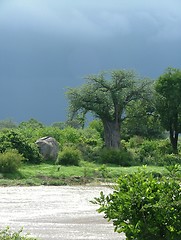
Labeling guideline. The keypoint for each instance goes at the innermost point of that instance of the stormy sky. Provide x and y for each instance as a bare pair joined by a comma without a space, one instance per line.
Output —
49,45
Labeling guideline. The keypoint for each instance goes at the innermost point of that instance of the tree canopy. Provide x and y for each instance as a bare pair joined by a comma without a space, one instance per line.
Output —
107,95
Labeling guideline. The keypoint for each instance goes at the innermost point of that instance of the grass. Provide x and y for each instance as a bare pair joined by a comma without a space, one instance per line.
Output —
50,174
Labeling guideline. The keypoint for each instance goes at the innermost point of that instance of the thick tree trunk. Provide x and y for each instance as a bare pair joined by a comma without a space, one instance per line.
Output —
174,141
112,134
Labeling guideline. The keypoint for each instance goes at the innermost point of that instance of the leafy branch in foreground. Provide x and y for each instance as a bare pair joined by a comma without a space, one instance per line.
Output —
144,207
7,234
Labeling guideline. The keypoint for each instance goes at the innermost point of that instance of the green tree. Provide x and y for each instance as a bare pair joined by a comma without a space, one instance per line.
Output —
142,120
32,123
107,95
168,103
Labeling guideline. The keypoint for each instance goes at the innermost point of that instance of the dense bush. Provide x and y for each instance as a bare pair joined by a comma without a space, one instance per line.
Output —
170,159
151,152
70,135
15,140
10,161
113,156
144,207
69,156
7,234
90,143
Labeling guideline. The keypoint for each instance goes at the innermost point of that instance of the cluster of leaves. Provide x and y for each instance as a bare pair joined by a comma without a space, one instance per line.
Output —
144,207
149,123
11,139
7,234
10,161
114,156
151,152
69,156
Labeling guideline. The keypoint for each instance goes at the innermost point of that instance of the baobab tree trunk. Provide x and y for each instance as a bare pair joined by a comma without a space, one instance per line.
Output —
112,135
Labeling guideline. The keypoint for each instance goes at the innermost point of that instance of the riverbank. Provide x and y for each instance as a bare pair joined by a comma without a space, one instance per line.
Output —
53,175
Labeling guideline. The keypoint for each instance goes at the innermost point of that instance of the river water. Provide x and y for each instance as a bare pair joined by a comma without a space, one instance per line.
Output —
55,213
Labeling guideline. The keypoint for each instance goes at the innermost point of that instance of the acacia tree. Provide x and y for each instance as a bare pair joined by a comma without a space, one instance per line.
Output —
168,103
107,95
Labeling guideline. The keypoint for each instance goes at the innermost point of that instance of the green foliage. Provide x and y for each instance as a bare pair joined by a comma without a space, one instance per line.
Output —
10,161
151,152
98,126
142,120
32,123
114,156
70,135
171,159
90,143
107,95
7,234
91,137
174,171
103,171
168,103
144,207
69,156
15,140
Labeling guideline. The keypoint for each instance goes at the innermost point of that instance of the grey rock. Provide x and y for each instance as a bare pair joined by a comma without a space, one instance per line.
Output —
48,147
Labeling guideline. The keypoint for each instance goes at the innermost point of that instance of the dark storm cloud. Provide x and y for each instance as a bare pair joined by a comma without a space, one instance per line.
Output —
47,45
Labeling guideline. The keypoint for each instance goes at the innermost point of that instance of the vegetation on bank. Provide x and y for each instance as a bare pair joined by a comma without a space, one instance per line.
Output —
8,234
82,157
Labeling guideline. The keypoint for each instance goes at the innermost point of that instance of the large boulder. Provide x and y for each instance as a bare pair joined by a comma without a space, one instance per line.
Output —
48,148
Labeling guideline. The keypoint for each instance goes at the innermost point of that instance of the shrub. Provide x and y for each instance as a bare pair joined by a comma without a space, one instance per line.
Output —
10,161
89,153
114,156
144,207
15,140
171,159
150,152
7,234
69,156
70,135
90,137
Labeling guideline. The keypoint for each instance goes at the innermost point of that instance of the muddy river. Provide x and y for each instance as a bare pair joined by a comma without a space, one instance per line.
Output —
55,213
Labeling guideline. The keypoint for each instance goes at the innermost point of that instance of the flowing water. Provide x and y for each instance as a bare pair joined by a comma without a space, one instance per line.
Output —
55,213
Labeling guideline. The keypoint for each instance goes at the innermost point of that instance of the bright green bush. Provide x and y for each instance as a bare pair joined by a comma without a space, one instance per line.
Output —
10,161
69,156
70,135
7,234
114,156
144,207
15,140
91,137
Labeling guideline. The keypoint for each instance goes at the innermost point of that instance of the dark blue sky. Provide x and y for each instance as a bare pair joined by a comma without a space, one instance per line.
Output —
49,45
